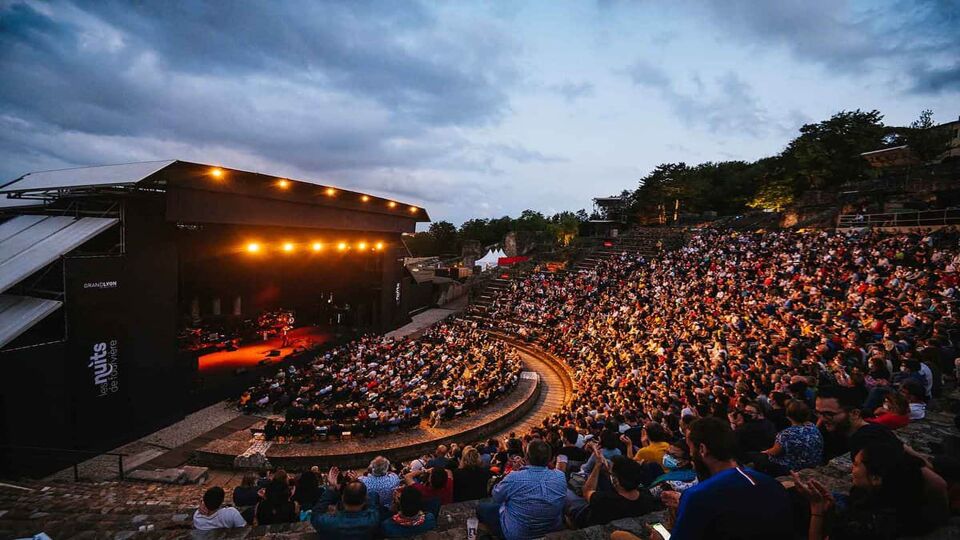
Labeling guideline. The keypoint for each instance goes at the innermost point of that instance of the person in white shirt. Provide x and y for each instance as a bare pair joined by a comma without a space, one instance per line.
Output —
211,516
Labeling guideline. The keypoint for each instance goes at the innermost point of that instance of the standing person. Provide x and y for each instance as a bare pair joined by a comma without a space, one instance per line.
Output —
730,501
211,516
527,503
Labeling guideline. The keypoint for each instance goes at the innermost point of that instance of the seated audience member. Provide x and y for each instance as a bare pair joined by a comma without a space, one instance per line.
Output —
307,491
609,447
680,474
627,499
527,503
435,483
730,501
576,456
800,446
210,515
754,432
440,458
844,429
410,518
894,413
886,500
380,480
246,493
355,520
471,479
655,440
276,506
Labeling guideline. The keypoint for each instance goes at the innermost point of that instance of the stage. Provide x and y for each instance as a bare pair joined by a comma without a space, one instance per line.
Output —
249,356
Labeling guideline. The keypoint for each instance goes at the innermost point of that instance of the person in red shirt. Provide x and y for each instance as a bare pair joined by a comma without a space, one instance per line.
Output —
434,483
894,413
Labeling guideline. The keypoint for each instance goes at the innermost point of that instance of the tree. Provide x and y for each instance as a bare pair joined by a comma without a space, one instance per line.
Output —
827,154
926,139
445,237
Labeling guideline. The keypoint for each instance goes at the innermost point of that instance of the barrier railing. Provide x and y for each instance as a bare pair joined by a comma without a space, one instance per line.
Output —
923,218
62,452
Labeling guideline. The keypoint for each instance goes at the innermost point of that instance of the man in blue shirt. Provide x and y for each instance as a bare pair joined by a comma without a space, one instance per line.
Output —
730,501
358,520
527,503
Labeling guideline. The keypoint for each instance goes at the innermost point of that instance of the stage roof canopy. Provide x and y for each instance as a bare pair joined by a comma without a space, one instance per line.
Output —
19,313
28,242
209,193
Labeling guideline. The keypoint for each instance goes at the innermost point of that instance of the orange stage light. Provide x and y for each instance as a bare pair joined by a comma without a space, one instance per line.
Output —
253,247
331,192
342,246
216,172
392,204
288,247
283,184
362,245
413,209
379,246
365,198
317,246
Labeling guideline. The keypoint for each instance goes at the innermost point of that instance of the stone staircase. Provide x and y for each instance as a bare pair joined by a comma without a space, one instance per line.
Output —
637,241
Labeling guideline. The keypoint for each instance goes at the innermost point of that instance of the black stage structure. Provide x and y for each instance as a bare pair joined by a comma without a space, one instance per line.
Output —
105,268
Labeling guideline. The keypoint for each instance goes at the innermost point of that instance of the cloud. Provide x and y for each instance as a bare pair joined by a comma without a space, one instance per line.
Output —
916,41
522,154
572,91
345,91
725,105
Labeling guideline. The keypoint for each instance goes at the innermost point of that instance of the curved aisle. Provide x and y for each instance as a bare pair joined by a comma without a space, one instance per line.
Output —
556,387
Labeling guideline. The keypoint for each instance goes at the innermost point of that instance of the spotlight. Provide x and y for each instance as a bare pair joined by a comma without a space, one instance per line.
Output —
253,247
362,246
317,246
413,209
365,198
217,172
392,204
283,184
288,247
379,246
341,246
331,192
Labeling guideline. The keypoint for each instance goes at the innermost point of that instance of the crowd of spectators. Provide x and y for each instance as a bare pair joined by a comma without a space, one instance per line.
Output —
701,377
378,385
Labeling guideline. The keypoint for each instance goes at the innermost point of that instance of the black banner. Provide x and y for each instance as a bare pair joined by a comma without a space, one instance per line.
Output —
97,356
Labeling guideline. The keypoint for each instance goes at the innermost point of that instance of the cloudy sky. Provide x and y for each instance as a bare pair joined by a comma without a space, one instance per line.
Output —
470,109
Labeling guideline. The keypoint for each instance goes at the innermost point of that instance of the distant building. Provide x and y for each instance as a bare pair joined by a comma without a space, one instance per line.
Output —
904,156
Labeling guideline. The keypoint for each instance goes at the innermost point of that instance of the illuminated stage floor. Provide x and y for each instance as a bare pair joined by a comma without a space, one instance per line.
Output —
251,355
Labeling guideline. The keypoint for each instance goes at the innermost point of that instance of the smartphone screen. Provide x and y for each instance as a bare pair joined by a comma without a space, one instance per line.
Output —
661,530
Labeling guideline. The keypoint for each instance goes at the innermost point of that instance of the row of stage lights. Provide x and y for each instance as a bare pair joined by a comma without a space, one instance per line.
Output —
254,248
283,183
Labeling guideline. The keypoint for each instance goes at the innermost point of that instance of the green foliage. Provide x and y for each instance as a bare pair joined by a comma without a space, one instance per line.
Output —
924,138
823,156
444,239
827,154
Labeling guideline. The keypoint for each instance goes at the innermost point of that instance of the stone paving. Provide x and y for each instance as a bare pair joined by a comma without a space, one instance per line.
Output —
105,467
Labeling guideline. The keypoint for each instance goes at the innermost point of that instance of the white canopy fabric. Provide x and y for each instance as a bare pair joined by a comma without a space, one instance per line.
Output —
28,242
19,313
488,261
105,175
